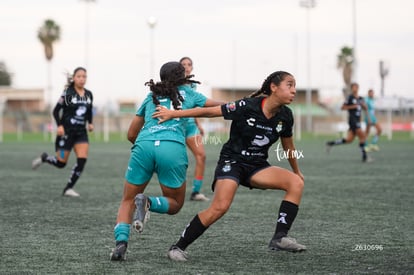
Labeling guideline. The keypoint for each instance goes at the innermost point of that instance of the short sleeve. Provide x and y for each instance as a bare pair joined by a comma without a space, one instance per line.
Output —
198,99
141,109
288,129
233,110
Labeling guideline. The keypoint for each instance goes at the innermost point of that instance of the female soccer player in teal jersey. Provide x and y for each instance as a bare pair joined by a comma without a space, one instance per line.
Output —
372,121
194,140
156,149
257,123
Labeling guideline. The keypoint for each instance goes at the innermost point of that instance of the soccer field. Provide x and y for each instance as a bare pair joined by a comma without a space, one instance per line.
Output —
355,218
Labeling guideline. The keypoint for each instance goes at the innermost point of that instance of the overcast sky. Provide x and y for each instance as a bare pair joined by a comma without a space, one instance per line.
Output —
232,42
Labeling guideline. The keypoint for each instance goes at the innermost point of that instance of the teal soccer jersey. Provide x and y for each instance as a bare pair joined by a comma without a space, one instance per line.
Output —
173,129
371,110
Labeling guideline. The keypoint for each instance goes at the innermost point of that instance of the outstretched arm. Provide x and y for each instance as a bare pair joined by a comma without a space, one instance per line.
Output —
164,114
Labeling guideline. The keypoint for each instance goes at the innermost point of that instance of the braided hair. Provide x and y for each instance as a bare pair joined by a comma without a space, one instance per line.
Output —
274,78
172,75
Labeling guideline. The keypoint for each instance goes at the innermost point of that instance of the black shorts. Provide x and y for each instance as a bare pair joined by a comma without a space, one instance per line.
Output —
240,172
70,138
354,125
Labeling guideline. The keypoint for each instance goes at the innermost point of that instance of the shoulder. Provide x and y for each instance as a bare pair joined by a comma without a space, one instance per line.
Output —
88,92
286,112
68,91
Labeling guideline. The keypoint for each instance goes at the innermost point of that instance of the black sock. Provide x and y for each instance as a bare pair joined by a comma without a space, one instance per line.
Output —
336,142
287,214
192,231
76,172
364,153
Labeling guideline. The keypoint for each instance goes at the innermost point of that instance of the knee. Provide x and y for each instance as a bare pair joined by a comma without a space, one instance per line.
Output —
297,184
60,164
218,209
175,209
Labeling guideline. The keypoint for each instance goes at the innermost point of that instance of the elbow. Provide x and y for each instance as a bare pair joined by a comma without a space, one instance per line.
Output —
131,138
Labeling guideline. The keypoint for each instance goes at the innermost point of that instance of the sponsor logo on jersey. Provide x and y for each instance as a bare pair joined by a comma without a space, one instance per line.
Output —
260,140
251,121
81,111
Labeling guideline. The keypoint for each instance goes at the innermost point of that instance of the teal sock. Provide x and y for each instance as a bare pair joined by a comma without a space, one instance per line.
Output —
159,204
374,139
197,185
121,232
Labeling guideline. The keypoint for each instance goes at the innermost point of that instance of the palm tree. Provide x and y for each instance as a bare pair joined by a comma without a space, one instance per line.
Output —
5,75
345,62
48,34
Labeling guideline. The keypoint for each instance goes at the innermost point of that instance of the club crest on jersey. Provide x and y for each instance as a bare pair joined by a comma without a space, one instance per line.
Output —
231,107
279,126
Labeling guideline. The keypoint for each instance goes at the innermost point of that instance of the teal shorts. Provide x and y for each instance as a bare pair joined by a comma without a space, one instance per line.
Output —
168,159
191,128
373,120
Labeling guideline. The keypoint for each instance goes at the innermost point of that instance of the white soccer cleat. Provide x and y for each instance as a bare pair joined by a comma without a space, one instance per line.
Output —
286,244
198,197
176,254
38,161
71,193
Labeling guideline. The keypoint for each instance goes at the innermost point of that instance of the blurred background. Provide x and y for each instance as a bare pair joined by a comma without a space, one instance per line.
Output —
234,45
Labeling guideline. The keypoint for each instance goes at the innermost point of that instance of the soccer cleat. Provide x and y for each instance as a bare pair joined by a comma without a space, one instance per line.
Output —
38,161
71,193
374,147
368,148
328,147
195,196
119,252
176,254
286,244
367,159
142,212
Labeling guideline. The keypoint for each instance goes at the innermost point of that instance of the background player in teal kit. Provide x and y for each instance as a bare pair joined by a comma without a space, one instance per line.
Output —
372,121
156,148
194,140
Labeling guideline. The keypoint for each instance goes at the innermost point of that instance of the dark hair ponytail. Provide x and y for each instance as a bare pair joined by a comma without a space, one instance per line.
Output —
172,75
274,78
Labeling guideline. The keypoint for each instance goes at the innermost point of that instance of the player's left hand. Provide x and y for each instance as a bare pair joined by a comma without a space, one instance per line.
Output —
90,127
162,113
299,173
